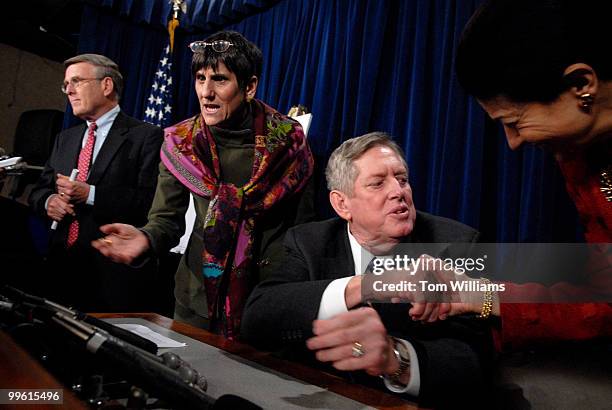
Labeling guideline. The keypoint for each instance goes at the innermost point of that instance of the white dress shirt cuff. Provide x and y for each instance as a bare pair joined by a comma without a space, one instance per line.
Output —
47,202
91,196
332,301
414,385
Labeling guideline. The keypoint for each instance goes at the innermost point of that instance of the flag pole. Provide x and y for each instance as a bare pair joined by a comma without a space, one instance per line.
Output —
177,5
158,106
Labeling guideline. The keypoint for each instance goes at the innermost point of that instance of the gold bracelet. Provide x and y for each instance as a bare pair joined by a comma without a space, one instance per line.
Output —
487,302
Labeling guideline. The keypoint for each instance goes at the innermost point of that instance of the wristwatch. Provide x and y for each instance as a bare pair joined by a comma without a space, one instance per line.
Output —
403,358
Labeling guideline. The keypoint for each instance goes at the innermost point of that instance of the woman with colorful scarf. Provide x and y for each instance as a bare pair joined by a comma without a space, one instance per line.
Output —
246,166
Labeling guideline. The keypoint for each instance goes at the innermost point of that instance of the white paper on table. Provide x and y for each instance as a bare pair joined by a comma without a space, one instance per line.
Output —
143,331
9,162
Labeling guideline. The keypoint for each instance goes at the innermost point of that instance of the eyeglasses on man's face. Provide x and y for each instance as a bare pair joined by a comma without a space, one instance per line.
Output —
76,82
219,46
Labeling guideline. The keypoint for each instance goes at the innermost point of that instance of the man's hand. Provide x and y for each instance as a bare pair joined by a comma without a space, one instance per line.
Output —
58,207
72,191
432,305
122,243
405,286
335,339
352,292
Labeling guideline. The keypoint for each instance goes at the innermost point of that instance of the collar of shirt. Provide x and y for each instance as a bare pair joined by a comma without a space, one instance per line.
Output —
104,123
361,256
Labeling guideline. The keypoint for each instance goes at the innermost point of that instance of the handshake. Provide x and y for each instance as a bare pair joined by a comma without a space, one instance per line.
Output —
436,288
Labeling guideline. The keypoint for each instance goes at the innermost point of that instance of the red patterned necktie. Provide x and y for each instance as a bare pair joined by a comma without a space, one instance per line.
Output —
83,166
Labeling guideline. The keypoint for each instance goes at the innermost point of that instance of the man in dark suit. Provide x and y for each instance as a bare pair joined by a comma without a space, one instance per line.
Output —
117,157
314,295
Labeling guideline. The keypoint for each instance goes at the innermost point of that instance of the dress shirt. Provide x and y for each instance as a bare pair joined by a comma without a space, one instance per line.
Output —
334,303
104,123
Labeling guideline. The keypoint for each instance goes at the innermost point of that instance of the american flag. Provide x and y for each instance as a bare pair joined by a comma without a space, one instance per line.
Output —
159,104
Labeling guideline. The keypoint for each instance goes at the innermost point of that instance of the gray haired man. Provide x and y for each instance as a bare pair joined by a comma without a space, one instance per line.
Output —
117,158
314,298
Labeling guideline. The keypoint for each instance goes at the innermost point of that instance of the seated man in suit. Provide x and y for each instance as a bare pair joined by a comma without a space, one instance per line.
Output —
117,158
315,295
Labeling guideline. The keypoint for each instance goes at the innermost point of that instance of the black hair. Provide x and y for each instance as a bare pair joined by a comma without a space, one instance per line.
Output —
243,58
520,48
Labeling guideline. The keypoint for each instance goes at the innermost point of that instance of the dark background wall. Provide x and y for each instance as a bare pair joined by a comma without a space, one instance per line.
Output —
359,66
27,81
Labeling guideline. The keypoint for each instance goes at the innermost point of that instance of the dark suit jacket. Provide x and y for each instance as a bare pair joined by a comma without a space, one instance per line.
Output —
124,174
280,311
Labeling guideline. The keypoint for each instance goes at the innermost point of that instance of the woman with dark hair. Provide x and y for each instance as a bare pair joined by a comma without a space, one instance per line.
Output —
544,70
246,166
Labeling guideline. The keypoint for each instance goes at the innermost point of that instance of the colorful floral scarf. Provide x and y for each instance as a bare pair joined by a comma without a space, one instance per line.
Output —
282,165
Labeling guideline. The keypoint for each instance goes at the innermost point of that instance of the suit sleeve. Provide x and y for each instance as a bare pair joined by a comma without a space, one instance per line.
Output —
456,355
167,215
281,309
277,222
133,201
452,366
45,186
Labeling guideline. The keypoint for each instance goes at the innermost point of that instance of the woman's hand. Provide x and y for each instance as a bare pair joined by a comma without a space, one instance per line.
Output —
123,243
430,308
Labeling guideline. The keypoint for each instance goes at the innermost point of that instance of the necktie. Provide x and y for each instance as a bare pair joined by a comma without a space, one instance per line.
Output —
367,281
83,166
371,266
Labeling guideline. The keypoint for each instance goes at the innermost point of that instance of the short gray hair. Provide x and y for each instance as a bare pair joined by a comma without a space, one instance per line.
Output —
105,67
341,172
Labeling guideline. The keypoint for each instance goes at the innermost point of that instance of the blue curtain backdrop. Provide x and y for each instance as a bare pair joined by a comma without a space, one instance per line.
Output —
360,66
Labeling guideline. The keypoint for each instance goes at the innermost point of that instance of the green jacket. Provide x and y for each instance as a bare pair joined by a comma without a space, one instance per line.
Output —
167,224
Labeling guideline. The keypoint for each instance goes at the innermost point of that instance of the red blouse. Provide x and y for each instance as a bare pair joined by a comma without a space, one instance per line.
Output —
528,323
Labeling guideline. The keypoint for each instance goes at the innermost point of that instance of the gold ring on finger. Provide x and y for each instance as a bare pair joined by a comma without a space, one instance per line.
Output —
357,350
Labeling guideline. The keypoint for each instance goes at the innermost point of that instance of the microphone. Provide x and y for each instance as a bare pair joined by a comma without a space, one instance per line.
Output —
148,371
169,377
137,366
130,337
113,330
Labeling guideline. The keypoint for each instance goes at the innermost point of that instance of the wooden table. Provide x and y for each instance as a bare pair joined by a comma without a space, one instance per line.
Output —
19,370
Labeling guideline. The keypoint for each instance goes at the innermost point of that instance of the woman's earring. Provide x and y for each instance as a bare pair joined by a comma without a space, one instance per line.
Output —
586,102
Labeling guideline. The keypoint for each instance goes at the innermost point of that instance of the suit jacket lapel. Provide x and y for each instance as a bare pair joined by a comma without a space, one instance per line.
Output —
338,260
115,138
74,139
